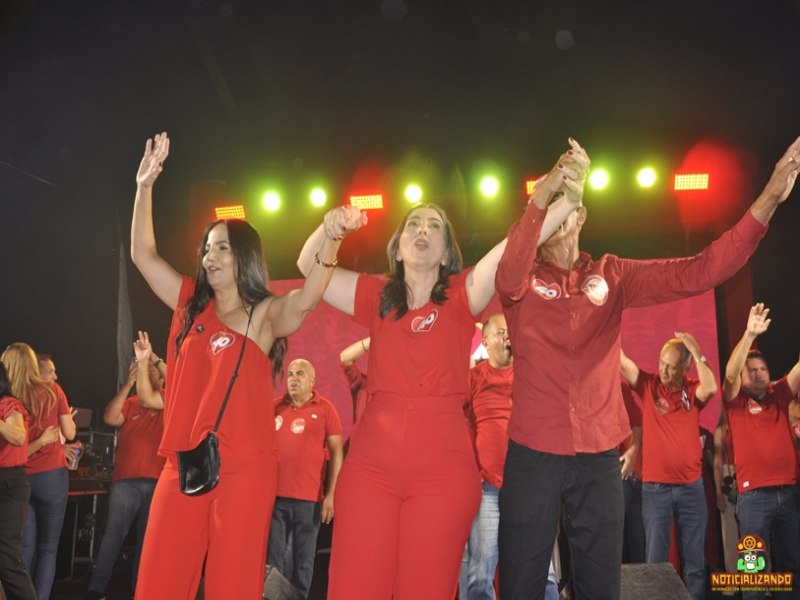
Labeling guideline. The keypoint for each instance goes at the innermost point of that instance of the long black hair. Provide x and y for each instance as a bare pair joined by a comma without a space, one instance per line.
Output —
251,282
394,295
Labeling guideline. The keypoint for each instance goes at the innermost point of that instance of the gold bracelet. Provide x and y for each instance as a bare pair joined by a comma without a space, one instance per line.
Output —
322,263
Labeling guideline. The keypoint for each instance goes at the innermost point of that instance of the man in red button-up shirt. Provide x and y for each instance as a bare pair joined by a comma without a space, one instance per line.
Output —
564,310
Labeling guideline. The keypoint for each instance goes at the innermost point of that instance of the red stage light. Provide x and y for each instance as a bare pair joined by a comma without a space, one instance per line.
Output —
367,201
230,212
690,181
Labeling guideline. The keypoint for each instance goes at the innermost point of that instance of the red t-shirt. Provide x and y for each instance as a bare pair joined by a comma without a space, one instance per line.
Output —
764,452
139,436
489,411
10,455
301,434
635,418
198,379
357,380
671,451
51,456
426,352
565,330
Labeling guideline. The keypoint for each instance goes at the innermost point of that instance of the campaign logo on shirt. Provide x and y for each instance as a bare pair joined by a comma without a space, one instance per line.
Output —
596,289
423,324
221,340
753,407
298,425
551,291
662,405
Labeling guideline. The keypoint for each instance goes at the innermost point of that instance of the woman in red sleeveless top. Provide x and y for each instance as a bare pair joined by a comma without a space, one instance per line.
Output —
228,527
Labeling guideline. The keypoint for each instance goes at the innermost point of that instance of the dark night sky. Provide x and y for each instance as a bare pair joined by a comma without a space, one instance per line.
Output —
295,91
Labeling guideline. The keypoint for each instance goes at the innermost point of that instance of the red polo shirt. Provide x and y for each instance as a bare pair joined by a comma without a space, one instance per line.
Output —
565,330
10,455
489,412
671,450
137,449
301,434
764,453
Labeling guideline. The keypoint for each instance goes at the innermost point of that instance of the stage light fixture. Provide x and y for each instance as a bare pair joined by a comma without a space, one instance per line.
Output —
271,201
489,186
646,177
599,179
367,201
690,181
318,197
530,185
229,212
413,193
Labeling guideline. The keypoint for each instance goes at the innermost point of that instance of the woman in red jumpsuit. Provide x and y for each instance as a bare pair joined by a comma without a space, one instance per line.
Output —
409,488
228,527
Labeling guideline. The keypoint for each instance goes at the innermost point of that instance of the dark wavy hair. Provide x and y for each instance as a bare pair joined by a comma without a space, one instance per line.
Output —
251,282
394,296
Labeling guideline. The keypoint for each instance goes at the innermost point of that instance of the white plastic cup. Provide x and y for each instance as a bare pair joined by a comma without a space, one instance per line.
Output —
73,464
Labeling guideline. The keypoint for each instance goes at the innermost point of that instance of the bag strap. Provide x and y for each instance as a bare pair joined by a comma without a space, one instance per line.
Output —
235,372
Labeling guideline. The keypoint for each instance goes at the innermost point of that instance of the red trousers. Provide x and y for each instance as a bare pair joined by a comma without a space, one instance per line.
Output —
405,501
228,528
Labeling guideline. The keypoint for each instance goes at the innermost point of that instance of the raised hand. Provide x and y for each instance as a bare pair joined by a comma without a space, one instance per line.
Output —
155,153
342,220
690,342
784,175
142,348
567,177
132,370
757,322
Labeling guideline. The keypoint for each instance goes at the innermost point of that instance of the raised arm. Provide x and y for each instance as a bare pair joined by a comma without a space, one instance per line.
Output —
341,290
160,276
779,185
147,396
354,351
628,369
757,323
514,263
112,415
708,383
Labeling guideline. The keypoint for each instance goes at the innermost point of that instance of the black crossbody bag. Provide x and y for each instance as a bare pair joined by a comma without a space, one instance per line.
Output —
198,468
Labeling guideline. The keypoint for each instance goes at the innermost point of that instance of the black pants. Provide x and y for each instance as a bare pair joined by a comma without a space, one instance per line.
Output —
14,494
535,487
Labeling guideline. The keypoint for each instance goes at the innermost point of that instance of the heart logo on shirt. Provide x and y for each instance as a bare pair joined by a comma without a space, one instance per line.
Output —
221,340
596,289
753,407
548,291
423,324
298,425
278,422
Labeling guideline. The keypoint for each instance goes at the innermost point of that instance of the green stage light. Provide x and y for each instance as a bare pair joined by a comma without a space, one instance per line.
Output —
271,201
599,179
318,197
413,193
646,177
489,186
